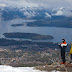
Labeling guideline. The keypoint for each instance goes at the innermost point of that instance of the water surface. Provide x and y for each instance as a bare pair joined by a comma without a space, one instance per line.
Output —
57,32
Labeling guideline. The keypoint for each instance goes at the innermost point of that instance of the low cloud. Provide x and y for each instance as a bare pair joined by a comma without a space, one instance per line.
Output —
2,5
38,3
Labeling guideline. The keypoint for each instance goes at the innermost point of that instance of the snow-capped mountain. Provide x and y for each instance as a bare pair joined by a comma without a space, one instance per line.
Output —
62,11
39,9
24,12
8,13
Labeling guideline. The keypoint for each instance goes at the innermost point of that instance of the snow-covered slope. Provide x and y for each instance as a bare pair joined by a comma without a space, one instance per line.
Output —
18,69
62,11
7,13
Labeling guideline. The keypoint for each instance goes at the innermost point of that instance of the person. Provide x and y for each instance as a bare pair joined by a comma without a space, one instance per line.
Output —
70,53
63,49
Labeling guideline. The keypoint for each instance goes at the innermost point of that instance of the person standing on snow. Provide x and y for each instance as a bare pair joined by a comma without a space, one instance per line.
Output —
63,49
70,53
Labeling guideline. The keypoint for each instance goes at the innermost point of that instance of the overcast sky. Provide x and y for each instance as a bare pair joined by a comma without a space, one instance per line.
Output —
37,3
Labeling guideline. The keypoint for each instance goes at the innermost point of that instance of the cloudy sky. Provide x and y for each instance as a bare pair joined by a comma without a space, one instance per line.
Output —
37,3
49,4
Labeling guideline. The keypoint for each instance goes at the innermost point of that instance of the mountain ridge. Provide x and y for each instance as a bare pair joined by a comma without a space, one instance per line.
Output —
7,13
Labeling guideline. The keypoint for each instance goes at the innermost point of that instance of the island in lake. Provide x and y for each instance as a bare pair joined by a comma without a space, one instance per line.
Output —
32,36
15,25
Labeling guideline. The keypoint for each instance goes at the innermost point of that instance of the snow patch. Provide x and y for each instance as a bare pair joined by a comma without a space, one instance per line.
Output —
59,12
62,11
18,69
29,14
47,15
4,68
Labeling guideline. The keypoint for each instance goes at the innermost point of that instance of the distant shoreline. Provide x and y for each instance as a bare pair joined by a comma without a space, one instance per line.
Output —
50,23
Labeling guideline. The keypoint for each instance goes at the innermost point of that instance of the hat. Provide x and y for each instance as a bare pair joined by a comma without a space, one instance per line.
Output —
63,39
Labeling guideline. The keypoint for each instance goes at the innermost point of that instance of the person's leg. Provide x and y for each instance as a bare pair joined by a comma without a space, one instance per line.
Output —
71,58
64,60
63,55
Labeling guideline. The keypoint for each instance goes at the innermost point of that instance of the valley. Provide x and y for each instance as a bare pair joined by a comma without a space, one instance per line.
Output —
19,53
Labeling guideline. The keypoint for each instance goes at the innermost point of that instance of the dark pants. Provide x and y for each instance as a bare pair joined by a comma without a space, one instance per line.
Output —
63,54
71,56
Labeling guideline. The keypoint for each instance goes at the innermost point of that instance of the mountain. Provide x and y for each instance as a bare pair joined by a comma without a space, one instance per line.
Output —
7,13
60,17
10,13
62,11
32,9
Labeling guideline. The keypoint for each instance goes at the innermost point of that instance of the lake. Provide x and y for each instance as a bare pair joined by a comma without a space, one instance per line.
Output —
57,32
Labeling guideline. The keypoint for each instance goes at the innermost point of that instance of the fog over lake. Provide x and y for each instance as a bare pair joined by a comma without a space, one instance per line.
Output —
57,32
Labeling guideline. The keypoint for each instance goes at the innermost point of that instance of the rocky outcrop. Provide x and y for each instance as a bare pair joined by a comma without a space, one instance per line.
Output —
56,67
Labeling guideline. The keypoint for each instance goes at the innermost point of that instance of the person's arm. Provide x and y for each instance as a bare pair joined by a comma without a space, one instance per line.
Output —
59,45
